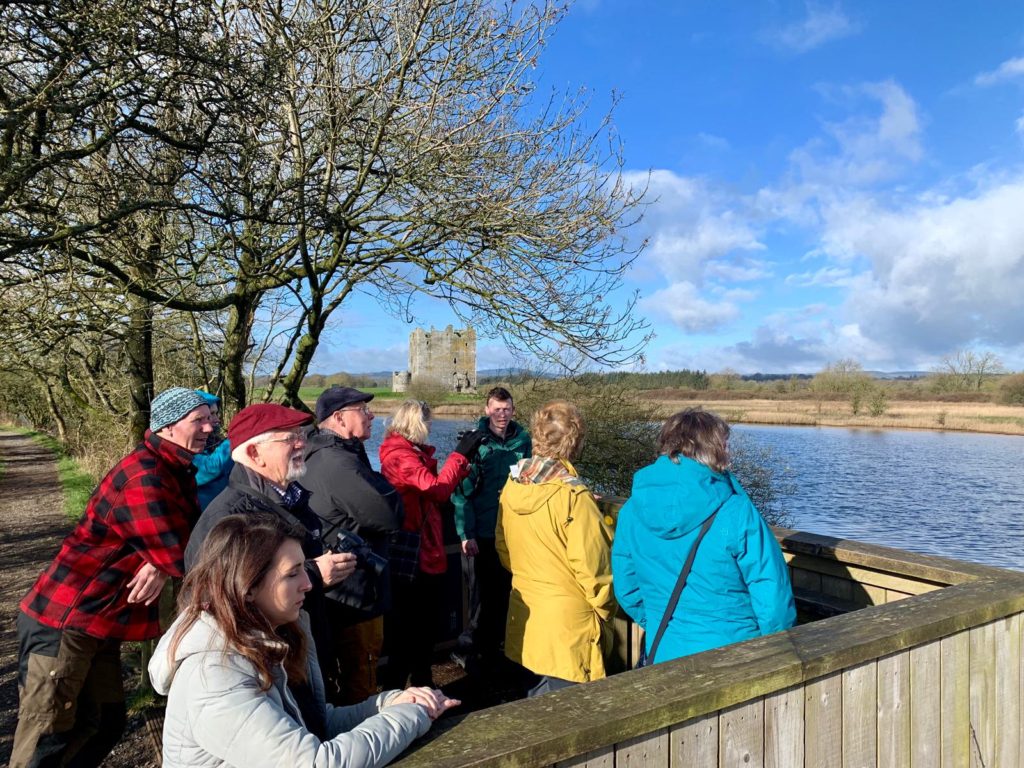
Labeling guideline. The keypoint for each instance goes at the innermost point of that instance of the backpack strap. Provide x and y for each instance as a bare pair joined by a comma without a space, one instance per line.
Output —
680,583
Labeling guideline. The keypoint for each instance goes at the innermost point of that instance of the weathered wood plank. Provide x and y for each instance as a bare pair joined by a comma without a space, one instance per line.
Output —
925,705
894,710
927,567
784,728
801,578
860,719
741,735
823,721
1007,691
695,744
983,695
835,586
647,751
588,717
886,579
599,758
955,652
891,595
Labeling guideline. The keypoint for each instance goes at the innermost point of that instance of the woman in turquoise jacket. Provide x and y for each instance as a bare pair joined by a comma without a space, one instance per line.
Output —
739,585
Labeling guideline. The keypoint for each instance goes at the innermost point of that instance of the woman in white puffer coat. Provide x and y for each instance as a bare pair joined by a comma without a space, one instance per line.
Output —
232,662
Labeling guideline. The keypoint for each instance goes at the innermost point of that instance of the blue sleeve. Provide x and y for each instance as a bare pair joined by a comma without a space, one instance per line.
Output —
764,569
624,578
210,466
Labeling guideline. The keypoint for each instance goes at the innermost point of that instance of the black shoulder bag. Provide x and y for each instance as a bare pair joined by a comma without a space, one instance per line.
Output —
648,659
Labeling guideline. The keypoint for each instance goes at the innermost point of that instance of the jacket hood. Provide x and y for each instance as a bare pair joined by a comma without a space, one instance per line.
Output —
671,500
396,442
204,636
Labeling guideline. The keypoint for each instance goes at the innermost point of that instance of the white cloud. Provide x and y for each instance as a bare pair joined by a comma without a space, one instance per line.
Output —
711,141
1008,70
821,25
681,304
865,149
690,224
944,273
1019,125
826,277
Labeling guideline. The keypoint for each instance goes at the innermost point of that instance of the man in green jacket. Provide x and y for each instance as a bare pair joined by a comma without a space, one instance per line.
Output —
476,514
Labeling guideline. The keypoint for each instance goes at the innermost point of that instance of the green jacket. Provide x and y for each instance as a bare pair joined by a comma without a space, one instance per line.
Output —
476,498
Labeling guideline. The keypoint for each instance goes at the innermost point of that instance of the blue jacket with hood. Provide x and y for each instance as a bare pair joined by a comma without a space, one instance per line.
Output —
739,586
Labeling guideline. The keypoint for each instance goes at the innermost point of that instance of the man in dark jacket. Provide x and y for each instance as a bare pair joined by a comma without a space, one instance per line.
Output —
476,515
267,444
349,495
102,588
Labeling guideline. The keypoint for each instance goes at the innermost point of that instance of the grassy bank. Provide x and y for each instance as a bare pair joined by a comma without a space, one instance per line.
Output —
78,485
788,409
899,414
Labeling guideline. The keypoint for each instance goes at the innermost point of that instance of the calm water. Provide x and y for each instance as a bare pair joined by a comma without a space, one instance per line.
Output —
942,493
955,494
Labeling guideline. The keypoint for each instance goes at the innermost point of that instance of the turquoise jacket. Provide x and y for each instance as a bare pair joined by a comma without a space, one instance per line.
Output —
476,498
213,468
739,586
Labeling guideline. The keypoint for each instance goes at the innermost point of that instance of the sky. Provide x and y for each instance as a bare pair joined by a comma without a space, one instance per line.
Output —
826,181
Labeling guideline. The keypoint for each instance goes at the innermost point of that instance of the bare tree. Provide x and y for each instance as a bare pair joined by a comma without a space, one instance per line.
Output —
967,369
302,153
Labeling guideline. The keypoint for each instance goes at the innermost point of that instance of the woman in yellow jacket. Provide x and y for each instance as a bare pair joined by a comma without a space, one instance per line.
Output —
554,540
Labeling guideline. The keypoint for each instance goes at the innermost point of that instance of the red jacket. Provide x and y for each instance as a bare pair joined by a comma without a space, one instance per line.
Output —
412,469
141,512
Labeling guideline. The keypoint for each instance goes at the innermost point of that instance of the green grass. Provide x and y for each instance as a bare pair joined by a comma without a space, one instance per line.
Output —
310,394
78,485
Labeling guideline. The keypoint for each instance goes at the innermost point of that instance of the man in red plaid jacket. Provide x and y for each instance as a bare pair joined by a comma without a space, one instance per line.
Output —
102,588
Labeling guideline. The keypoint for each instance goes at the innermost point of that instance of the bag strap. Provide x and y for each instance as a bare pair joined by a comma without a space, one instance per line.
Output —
680,583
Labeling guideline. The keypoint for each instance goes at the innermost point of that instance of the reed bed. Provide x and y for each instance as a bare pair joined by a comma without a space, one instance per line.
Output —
899,414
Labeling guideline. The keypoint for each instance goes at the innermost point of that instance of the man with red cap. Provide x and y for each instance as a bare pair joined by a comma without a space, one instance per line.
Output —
267,446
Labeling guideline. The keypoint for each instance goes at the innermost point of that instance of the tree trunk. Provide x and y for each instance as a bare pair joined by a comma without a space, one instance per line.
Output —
236,347
300,366
139,348
56,415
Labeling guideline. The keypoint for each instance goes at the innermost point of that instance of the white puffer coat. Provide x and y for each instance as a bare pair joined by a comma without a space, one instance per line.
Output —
217,715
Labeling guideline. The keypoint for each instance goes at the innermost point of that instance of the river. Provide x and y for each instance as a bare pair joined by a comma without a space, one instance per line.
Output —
956,494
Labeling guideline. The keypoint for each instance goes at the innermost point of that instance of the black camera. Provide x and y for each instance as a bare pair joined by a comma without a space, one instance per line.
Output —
366,558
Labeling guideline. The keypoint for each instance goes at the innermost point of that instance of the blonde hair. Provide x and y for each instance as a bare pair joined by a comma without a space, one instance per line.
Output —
557,430
411,421
697,434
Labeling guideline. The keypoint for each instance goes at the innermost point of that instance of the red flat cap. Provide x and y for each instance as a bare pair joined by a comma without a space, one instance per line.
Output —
264,417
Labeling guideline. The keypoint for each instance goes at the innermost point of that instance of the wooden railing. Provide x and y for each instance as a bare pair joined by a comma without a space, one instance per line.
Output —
917,664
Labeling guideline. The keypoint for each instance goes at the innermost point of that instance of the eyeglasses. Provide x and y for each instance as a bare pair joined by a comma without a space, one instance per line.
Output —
293,439
364,408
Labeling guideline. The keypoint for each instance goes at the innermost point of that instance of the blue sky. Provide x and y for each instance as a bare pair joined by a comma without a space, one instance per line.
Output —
828,180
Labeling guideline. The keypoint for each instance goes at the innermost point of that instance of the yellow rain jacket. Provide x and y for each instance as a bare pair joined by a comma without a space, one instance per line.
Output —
552,537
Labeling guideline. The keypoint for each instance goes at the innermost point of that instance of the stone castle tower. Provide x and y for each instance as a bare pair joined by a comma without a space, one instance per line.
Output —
447,358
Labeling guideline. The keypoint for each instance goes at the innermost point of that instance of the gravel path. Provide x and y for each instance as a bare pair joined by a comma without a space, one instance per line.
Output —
32,524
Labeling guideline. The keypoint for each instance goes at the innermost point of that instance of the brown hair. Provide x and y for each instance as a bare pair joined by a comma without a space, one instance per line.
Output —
235,557
500,394
410,421
697,434
557,431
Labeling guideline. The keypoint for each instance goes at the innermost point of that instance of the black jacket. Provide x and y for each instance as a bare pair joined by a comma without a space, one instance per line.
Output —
349,494
248,493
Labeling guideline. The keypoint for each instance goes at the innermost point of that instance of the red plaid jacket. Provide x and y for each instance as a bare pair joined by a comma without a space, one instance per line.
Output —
141,512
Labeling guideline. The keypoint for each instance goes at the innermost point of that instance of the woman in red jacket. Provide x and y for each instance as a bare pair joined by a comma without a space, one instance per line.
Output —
408,462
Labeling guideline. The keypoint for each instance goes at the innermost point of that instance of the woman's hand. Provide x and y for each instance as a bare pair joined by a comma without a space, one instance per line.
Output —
431,699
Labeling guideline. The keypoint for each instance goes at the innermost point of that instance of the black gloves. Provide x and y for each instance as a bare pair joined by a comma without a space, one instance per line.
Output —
469,443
